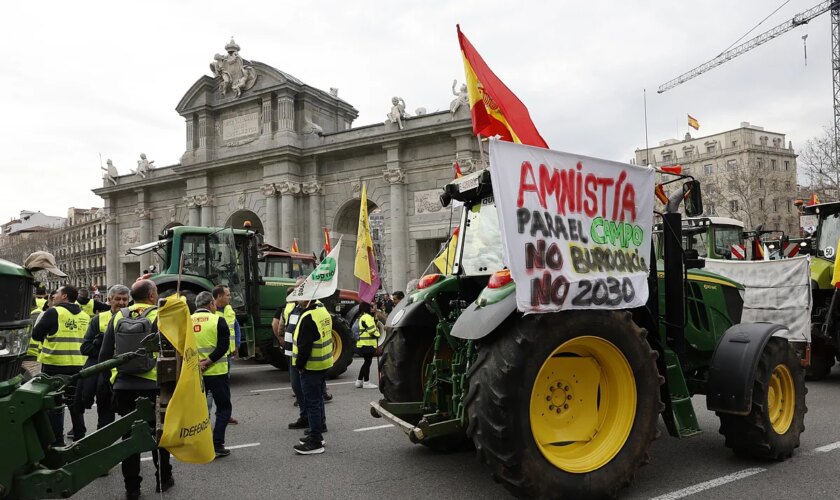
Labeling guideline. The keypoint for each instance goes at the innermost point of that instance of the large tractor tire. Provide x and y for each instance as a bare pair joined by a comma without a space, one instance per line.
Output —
822,359
564,405
771,430
343,347
402,365
274,355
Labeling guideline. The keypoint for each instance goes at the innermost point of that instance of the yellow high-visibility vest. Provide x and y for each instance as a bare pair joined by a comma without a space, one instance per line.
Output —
368,336
63,347
321,357
230,318
206,329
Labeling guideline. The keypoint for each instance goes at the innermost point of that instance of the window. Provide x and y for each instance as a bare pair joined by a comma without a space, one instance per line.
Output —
760,183
775,205
760,204
708,169
775,185
666,156
733,185
711,208
759,163
787,166
787,185
710,149
733,206
730,165
787,205
772,164
686,170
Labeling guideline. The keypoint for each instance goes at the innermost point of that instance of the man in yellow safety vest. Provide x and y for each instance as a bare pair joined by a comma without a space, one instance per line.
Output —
61,330
221,298
212,340
130,385
312,357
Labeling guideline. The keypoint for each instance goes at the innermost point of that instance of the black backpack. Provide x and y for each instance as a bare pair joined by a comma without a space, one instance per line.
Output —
128,337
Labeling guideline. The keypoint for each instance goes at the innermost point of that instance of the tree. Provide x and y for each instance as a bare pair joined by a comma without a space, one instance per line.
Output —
17,247
741,192
818,163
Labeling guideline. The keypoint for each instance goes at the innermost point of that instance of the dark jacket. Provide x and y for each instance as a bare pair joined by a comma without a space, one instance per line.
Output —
89,387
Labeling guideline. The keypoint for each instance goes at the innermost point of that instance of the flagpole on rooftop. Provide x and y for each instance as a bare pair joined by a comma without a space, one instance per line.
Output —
647,148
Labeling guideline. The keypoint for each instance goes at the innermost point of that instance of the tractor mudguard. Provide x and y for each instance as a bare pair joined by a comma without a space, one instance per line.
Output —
477,321
732,370
414,314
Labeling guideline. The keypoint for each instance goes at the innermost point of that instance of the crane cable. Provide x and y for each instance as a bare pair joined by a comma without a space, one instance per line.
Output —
753,28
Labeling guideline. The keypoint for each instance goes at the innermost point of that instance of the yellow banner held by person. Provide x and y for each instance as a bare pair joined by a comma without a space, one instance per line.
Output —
445,261
186,430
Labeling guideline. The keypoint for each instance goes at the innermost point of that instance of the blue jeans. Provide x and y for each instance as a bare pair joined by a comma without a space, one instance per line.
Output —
294,378
219,387
312,384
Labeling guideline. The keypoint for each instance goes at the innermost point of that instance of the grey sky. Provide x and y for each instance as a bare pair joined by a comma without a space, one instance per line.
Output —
83,78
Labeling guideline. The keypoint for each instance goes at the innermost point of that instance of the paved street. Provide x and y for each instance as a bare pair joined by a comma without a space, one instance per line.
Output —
364,460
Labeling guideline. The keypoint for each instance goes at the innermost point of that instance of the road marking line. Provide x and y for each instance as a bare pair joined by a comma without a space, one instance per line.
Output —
827,448
234,447
289,388
373,428
714,483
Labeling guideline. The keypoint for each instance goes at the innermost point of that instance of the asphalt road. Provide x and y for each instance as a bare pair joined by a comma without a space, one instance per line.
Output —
366,460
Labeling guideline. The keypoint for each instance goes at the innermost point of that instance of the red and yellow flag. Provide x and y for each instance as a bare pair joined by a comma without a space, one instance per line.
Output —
814,200
295,248
495,109
693,123
458,173
327,244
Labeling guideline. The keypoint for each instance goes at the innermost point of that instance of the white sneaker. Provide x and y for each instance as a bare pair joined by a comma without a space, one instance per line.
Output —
368,385
358,384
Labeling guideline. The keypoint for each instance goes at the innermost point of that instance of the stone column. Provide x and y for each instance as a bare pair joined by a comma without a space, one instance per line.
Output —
206,202
267,117
316,230
194,211
112,249
145,217
399,223
270,224
286,114
287,190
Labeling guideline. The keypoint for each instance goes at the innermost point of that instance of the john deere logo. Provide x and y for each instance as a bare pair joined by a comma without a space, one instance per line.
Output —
325,270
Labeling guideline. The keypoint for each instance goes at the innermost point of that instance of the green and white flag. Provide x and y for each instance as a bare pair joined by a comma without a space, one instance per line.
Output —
322,282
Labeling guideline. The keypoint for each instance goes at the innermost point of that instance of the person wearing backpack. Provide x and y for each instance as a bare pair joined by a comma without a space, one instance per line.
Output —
212,338
99,388
136,378
366,345
61,330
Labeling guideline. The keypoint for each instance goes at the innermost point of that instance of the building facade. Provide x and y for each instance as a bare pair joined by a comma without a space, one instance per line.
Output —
262,146
747,173
79,247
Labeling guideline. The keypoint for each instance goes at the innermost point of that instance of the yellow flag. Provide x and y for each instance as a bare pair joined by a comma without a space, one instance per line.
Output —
446,258
186,430
361,268
836,276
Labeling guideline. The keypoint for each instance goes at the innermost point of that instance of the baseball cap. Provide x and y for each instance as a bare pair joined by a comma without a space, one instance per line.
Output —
42,260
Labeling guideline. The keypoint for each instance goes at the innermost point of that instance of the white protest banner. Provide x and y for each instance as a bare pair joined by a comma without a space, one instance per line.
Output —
576,230
322,281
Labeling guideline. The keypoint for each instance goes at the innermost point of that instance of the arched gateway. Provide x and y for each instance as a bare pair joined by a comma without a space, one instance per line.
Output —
285,155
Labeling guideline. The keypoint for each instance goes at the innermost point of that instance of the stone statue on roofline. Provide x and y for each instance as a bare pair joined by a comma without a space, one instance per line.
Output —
397,114
236,75
109,173
144,166
462,97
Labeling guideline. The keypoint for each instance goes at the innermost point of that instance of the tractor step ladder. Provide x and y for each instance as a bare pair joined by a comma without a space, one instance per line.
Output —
681,406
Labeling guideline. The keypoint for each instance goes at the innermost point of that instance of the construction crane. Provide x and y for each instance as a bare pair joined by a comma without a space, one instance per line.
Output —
798,20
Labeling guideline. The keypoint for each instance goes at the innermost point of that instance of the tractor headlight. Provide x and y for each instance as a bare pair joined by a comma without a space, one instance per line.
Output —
14,342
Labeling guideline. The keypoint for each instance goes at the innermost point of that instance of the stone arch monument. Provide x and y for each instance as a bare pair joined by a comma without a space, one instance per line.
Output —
237,220
260,140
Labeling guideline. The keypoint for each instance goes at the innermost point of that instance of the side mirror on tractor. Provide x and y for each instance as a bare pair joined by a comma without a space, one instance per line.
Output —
693,198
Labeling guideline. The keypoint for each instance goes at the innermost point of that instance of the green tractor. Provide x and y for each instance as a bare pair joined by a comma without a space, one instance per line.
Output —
822,221
566,404
29,466
207,257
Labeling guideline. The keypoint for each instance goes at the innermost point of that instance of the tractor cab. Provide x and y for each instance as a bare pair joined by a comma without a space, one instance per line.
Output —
711,237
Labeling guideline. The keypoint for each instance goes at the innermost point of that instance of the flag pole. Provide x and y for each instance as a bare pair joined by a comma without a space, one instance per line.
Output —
647,148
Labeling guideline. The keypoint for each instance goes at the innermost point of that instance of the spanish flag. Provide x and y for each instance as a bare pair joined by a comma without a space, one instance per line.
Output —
814,200
327,243
495,109
295,248
445,260
693,123
458,173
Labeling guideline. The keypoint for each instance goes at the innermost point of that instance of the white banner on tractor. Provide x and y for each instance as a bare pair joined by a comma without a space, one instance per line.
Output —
576,230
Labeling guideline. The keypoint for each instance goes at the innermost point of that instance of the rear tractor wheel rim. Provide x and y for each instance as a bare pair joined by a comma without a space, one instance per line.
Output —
337,346
583,404
781,399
